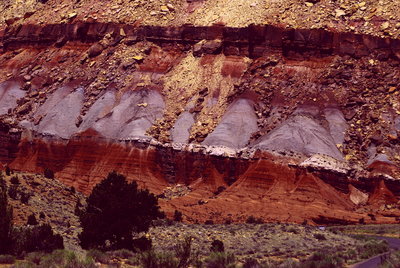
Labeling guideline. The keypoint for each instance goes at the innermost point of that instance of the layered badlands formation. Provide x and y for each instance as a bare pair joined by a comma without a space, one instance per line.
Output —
221,122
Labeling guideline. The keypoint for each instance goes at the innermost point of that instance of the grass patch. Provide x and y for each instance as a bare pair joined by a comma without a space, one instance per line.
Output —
99,256
58,258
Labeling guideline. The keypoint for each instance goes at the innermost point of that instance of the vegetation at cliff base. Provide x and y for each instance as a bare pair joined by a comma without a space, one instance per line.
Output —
18,240
116,210
5,218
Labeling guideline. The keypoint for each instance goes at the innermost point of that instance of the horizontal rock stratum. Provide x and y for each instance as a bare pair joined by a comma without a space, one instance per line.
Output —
221,122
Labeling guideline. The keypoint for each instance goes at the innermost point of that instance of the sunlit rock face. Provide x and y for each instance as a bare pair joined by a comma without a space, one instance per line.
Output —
222,123
236,126
60,112
132,116
301,134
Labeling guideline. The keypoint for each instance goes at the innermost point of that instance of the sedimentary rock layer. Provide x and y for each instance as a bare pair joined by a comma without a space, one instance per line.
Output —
223,123
251,41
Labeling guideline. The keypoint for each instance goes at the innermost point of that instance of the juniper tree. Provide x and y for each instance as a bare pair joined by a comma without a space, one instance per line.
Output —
115,211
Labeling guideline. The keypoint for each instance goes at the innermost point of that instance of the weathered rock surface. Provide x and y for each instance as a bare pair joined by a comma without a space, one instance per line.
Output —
320,99
236,126
300,134
10,92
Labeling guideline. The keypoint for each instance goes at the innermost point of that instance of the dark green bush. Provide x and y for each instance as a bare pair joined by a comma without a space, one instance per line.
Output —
320,236
254,220
35,238
141,244
177,215
13,192
217,246
14,180
372,248
25,197
48,173
32,220
219,190
115,210
8,171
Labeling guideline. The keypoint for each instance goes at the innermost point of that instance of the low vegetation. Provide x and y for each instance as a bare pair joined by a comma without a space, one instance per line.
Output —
116,210
387,230
391,260
58,258
23,239
123,225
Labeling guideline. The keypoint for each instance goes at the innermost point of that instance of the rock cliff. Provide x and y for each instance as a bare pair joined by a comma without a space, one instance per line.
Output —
221,122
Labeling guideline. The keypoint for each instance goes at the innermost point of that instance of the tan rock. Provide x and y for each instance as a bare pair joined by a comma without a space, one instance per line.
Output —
164,9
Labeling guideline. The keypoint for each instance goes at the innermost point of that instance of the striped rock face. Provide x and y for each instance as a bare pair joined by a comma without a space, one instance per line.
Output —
222,122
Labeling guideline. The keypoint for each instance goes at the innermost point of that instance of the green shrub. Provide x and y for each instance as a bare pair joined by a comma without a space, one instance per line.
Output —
65,259
99,256
254,220
321,260
25,197
219,190
217,246
251,263
135,260
177,215
289,263
7,259
220,260
14,180
152,259
391,260
35,257
35,238
123,253
141,244
32,220
48,173
320,236
24,264
209,222
372,248
13,192
8,171
183,251
57,258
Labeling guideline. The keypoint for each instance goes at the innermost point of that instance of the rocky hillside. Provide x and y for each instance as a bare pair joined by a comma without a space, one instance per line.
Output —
224,116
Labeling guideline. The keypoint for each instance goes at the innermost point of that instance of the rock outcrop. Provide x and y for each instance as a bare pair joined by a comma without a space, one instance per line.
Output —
281,124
